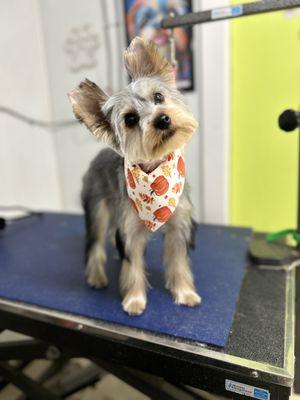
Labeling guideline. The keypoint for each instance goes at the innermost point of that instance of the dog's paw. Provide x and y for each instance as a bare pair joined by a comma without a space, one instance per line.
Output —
95,275
187,297
96,278
95,272
134,304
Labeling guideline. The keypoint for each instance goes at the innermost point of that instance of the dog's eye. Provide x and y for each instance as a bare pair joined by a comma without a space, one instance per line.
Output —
131,119
158,98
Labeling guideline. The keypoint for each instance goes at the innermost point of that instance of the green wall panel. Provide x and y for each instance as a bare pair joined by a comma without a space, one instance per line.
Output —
265,80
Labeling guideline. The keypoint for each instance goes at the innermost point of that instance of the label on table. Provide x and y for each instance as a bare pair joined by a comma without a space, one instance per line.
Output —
247,390
225,12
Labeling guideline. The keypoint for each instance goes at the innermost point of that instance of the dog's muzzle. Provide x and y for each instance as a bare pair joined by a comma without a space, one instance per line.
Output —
162,122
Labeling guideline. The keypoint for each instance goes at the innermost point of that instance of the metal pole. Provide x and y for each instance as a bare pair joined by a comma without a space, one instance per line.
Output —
223,13
298,221
289,121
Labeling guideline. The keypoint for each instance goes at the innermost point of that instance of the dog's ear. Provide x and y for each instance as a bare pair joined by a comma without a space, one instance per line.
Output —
87,100
143,59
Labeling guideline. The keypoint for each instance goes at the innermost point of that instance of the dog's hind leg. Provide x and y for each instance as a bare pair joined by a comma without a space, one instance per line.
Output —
97,217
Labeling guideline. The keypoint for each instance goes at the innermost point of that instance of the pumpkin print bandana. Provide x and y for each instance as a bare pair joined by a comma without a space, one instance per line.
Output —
155,195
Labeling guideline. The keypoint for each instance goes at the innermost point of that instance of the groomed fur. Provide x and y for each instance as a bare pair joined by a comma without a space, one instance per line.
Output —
104,195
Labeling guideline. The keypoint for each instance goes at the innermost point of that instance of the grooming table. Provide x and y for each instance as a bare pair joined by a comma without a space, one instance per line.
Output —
237,341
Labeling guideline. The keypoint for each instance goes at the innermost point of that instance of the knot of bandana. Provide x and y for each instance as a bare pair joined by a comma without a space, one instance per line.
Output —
155,195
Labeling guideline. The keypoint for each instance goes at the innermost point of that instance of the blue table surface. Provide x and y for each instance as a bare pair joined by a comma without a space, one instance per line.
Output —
42,263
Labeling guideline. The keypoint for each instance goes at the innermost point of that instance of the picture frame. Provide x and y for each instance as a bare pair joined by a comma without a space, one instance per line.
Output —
143,18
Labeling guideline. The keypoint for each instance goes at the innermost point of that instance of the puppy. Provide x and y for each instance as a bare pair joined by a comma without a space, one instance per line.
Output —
137,186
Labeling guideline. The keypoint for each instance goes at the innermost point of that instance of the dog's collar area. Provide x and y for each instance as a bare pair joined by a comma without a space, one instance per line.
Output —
150,167
155,194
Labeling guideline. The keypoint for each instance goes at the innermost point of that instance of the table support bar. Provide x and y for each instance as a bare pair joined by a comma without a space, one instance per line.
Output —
229,12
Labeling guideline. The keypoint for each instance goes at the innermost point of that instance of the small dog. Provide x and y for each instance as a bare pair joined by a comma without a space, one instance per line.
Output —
145,124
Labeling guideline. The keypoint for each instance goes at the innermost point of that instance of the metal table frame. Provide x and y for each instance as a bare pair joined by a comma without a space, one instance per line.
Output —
178,361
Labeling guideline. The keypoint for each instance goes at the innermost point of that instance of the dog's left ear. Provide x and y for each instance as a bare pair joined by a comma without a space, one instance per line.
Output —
87,100
143,58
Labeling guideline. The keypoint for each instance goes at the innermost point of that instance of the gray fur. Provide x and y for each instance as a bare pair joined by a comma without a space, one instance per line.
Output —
138,97
105,180
104,194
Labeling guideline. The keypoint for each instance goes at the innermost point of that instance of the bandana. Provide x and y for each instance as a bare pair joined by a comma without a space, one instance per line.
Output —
155,195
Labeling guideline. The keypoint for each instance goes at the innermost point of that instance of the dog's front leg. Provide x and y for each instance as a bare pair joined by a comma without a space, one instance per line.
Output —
133,282
179,277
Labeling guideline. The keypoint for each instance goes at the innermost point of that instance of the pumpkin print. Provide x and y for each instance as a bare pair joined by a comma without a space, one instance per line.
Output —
172,202
163,214
177,188
146,199
181,167
149,224
166,170
136,173
155,196
160,186
139,204
134,205
130,179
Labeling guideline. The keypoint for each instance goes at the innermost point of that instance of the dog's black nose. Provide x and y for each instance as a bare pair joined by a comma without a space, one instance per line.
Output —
162,122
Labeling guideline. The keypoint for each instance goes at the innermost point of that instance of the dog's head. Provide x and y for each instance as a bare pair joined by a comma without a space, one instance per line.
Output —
145,121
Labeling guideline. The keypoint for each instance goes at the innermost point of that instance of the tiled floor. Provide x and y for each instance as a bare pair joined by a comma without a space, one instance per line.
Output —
110,388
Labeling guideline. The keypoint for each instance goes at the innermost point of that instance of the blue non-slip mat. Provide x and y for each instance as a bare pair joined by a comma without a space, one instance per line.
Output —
42,263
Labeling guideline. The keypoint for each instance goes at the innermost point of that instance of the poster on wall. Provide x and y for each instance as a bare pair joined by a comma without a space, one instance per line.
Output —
143,18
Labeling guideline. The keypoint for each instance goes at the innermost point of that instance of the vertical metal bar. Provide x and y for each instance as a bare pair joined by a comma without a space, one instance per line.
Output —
298,220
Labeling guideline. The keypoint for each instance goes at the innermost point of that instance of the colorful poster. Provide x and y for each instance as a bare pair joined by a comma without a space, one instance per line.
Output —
143,18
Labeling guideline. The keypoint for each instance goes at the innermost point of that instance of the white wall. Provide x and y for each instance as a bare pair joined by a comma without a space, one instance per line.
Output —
214,121
75,146
43,169
28,168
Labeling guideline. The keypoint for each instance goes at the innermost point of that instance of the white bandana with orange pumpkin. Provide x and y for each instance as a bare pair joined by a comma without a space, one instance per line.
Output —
155,195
